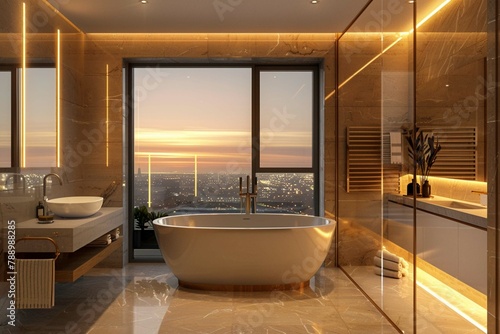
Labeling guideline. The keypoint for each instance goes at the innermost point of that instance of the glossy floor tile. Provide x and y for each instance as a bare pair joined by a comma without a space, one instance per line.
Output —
439,308
144,298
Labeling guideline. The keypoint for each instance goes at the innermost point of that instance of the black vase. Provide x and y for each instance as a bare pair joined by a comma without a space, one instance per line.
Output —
426,189
410,190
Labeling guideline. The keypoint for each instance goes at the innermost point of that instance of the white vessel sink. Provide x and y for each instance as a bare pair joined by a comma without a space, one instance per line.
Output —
75,206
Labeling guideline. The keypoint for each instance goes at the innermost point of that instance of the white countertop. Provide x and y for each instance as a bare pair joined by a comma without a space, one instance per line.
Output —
476,216
70,234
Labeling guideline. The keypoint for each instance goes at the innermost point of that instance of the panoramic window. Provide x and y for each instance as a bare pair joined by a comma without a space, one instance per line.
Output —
197,130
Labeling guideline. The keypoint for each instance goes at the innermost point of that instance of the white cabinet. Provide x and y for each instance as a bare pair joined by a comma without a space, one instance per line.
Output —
452,246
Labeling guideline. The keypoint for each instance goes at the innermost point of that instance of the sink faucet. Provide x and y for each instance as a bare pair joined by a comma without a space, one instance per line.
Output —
15,177
249,195
45,198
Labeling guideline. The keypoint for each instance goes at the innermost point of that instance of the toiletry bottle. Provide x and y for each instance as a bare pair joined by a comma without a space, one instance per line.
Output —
39,209
409,188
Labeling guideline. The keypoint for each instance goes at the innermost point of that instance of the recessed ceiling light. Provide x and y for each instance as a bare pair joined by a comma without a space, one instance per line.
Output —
144,2
314,2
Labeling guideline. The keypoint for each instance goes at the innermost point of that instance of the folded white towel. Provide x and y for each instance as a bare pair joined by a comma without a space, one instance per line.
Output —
388,273
101,241
388,256
115,234
391,265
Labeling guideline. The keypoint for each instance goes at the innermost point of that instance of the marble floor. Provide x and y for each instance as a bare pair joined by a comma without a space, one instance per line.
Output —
440,309
144,298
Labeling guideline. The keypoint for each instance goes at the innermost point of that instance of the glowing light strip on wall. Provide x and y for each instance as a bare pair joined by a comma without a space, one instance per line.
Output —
425,19
58,101
107,115
149,181
23,94
371,61
431,14
195,176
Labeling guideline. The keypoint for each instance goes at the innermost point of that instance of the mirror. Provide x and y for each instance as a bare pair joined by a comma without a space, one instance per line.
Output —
37,54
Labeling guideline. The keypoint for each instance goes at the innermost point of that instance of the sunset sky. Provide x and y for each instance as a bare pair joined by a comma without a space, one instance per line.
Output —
40,117
183,112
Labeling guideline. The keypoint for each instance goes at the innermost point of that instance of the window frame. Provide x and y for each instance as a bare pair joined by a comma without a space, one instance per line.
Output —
256,167
256,66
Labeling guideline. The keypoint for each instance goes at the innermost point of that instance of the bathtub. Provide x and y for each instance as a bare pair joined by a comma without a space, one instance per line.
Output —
258,251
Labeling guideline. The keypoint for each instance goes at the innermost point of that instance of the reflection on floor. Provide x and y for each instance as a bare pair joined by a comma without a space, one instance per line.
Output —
144,298
440,309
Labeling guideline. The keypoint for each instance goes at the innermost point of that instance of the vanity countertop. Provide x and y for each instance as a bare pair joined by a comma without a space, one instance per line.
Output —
469,213
70,234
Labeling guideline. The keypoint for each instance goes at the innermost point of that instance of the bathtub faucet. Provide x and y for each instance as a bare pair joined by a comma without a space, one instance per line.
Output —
250,197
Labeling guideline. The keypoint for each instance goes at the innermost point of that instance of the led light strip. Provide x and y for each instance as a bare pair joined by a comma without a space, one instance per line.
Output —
58,101
149,181
23,94
107,115
425,19
452,307
195,176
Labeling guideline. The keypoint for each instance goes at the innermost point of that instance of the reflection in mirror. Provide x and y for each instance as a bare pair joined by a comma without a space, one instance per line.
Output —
5,116
40,117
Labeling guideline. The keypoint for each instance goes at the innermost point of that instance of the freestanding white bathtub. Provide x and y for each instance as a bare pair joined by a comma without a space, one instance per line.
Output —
258,251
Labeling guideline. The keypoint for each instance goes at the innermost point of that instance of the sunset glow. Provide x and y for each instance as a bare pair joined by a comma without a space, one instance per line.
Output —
181,113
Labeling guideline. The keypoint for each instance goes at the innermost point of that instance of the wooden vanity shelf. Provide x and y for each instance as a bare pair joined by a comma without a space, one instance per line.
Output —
72,237
71,266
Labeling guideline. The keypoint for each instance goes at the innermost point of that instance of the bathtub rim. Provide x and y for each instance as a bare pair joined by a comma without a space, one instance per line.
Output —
329,221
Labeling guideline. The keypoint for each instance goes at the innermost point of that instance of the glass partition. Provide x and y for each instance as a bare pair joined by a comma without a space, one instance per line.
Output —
411,108
450,92
374,103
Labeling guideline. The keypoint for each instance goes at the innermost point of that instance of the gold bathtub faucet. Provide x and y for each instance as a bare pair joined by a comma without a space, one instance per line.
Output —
250,197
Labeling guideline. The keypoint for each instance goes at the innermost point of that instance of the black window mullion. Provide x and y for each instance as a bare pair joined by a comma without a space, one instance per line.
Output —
255,121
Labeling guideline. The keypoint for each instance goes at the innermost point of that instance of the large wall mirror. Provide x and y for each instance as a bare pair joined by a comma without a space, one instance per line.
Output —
37,55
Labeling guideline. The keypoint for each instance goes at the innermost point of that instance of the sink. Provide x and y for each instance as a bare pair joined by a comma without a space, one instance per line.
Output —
458,205
75,206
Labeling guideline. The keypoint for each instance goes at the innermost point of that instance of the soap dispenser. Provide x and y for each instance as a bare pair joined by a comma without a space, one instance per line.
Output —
39,210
